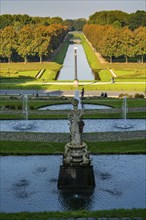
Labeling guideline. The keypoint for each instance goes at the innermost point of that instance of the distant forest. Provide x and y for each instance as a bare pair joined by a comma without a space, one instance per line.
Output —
32,38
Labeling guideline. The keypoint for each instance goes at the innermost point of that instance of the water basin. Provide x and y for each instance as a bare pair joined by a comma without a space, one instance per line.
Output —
62,126
29,184
70,107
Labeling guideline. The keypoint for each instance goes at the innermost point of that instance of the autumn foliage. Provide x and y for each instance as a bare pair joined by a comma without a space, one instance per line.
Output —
116,42
31,40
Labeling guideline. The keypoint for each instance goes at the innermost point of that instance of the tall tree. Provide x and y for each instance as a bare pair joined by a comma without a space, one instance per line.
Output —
137,19
25,39
140,41
110,44
109,17
128,42
41,43
8,42
6,20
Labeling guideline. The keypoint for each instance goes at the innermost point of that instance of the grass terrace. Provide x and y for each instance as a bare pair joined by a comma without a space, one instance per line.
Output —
17,72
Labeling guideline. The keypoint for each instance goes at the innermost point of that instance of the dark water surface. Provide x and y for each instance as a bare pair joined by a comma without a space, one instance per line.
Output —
29,183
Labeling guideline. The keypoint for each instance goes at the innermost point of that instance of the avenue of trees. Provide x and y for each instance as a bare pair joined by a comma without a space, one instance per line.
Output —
112,33
117,42
31,40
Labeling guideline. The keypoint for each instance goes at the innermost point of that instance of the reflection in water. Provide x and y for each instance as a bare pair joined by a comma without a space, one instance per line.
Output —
84,71
76,200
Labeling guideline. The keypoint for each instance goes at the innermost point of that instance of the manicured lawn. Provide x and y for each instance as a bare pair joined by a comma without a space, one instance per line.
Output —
133,73
117,87
20,74
18,71
99,87
42,148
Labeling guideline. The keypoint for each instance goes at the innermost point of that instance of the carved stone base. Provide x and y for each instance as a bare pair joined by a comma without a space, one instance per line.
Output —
76,177
76,155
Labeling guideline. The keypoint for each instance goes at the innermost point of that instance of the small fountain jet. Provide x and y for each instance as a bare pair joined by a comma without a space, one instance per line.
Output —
124,124
25,106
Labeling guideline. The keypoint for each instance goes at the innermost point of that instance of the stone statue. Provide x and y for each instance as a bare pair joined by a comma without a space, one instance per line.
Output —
75,123
76,151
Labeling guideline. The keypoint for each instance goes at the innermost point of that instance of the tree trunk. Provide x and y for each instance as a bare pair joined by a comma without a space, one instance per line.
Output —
142,59
25,59
111,59
41,58
126,59
9,59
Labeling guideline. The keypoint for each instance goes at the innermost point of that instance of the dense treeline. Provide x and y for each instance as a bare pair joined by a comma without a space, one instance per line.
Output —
114,17
116,42
31,41
112,33
18,21
119,19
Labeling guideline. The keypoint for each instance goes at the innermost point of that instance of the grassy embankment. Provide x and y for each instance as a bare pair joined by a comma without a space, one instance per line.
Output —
61,52
115,213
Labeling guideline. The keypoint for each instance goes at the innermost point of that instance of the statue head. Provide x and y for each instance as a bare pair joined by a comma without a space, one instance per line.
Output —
75,103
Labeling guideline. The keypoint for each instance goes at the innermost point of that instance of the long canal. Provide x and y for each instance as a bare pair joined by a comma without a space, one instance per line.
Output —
84,72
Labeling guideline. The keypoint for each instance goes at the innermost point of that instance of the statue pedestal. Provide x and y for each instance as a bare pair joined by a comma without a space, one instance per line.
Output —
76,177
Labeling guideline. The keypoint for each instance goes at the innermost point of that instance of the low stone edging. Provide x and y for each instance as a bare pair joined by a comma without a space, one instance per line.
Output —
65,137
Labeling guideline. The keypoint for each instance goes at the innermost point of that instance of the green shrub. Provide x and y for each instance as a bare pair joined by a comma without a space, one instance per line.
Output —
13,97
125,94
137,95
31,107
19,107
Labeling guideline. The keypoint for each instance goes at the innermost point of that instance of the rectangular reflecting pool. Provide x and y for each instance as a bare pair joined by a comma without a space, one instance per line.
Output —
29,183
84,71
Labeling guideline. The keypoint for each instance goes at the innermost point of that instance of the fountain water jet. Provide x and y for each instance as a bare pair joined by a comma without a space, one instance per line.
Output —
76,172
25,106
77,96
25,125
124,124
